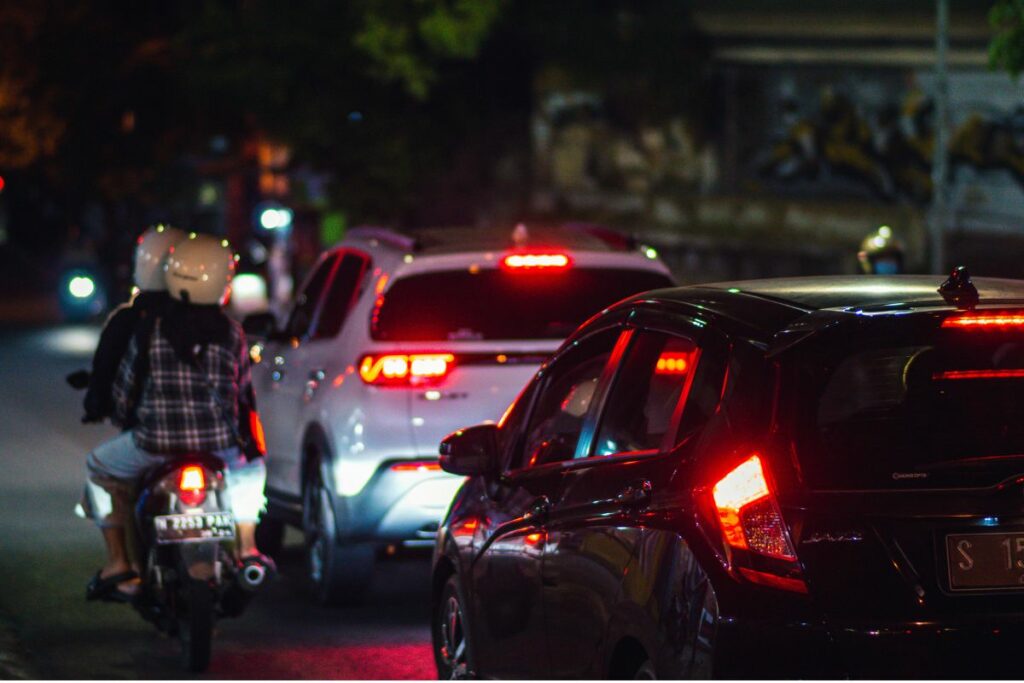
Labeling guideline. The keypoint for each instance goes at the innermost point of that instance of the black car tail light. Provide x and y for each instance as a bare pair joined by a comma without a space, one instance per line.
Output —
754,533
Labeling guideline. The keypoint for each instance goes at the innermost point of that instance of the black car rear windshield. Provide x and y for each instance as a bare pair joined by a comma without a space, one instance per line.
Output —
913,405
495,304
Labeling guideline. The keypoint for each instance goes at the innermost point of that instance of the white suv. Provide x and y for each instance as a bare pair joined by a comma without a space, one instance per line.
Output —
397,340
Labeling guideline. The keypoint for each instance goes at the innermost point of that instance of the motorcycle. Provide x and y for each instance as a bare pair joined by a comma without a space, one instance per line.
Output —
182,534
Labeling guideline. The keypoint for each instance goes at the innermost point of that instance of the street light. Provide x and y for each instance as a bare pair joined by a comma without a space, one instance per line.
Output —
275,218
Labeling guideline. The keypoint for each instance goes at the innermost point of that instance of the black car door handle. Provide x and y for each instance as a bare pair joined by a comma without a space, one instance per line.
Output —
635,494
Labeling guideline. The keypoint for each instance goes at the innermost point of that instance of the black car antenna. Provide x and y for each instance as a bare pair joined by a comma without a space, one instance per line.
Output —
959,290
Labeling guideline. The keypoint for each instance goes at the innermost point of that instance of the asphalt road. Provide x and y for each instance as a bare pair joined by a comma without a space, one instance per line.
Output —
47,555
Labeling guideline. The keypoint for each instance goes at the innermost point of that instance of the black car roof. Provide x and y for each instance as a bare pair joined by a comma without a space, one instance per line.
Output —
771,305
860,291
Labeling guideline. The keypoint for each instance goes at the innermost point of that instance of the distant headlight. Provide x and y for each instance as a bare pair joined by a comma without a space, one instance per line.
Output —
81,287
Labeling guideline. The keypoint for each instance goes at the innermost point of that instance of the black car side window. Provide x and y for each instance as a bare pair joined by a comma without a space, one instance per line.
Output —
564,400
649,394
305,304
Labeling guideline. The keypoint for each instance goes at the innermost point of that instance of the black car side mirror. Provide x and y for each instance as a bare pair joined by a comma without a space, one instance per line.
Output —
260,325
471,451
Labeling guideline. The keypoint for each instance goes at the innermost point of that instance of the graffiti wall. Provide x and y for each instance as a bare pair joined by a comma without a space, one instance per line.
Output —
872,135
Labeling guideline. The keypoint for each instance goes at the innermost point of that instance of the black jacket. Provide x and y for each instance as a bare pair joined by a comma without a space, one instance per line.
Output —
126,321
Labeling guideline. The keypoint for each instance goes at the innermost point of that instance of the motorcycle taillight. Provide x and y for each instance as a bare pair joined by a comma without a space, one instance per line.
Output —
192,486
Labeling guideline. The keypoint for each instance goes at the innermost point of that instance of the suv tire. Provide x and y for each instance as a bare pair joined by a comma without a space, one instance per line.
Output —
338,573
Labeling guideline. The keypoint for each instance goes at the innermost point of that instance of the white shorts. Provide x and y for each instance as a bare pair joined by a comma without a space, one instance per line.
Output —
120,461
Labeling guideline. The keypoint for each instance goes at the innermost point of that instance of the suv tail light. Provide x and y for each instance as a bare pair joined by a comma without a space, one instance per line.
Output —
754,532
405,369
192,485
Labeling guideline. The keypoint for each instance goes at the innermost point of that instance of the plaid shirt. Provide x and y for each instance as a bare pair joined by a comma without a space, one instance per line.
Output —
177,412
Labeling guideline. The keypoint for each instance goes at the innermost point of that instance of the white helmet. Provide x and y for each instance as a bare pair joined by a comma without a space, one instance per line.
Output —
199,270
150,255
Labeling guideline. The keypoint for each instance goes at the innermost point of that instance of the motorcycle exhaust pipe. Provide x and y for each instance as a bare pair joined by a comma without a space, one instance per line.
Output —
253,574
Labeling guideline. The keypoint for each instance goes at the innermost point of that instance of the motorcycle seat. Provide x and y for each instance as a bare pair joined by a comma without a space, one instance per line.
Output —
207,460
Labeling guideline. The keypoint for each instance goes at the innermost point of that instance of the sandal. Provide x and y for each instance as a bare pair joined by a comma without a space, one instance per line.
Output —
105,588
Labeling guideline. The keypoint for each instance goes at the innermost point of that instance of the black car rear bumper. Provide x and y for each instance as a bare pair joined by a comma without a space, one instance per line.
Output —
980,647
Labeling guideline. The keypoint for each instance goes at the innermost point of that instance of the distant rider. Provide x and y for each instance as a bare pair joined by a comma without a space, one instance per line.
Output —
881,253
194,396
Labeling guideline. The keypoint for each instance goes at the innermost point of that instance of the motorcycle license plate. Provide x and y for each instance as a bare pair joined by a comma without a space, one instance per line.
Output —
194,528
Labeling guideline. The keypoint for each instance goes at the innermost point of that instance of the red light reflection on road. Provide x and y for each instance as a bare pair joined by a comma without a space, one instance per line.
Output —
375,662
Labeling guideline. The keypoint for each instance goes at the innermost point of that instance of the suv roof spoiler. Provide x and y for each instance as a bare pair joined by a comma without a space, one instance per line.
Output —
609,237
388,236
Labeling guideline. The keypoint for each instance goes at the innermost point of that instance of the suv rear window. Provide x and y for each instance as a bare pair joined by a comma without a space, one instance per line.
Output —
914,408
494,304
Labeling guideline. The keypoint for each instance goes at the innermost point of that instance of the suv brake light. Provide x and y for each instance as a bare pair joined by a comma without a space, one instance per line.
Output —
520,261
753,529
192,485
405,369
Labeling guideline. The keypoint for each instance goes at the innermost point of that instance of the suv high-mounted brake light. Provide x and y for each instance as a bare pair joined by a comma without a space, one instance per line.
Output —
405,369
753,528
522,261
192,486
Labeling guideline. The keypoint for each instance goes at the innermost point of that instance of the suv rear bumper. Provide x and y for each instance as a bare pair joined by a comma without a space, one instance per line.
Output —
393,507
966,648
402,506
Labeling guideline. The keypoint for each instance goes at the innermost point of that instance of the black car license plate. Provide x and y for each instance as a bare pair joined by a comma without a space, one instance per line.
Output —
194,528
992,561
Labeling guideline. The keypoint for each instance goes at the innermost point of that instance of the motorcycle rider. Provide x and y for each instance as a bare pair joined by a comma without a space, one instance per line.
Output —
190,393
881,253
130,318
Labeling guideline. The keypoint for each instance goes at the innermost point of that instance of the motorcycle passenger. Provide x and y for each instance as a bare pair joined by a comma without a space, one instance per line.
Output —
881,253
130,318
192,395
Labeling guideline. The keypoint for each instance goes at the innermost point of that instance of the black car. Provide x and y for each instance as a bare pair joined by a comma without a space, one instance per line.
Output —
810,476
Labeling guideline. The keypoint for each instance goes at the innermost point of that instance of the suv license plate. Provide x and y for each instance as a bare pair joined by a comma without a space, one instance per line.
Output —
985,561
194,528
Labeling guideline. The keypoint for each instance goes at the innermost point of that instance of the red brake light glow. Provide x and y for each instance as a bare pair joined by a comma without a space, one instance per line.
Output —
749,517
256,429
192,485
673,364
1013,373
520,261
420,466
985,320
399,369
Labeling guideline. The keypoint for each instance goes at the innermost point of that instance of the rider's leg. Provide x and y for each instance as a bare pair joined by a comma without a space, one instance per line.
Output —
113,467
246,481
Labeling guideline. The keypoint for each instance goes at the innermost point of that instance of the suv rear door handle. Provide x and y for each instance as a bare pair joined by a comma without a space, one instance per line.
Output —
539,510
636,494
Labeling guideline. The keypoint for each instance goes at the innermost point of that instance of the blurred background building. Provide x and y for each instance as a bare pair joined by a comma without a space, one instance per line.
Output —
744,138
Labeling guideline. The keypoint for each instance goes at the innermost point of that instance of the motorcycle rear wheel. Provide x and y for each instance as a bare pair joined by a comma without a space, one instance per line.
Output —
195,625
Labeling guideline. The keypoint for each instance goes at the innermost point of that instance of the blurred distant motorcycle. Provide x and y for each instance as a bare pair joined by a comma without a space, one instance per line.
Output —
182,533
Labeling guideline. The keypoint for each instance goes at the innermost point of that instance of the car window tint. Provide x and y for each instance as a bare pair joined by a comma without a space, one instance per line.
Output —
305,304
341,295
647,396
561,408
504,305
510,426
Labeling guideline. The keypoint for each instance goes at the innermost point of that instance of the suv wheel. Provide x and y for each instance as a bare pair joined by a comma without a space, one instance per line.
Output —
338,573
452,651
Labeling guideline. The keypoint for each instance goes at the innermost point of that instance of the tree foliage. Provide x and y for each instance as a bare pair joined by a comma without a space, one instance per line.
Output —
1006,50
